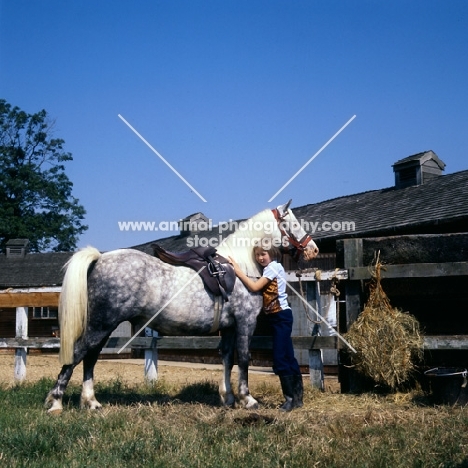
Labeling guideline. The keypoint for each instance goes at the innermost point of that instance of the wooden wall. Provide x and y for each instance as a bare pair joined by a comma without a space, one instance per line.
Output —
7,322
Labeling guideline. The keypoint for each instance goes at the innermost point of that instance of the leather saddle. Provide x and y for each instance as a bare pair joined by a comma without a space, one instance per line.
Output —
218,275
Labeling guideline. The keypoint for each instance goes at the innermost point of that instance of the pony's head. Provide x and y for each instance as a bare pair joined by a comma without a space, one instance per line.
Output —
293,231
278,227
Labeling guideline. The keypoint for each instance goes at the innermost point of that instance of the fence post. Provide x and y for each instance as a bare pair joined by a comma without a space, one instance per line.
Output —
353,257
21,353
151,359
316,371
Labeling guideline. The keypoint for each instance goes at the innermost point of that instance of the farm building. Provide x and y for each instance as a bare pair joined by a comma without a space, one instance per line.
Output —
422,201
32,282
420,220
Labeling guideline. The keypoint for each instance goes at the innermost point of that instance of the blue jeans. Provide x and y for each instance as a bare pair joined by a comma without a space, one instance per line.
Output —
284,362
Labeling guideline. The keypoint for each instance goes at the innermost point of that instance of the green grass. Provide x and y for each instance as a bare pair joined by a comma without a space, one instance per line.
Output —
167,426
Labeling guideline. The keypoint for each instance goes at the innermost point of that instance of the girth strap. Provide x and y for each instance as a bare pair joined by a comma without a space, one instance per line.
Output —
217,314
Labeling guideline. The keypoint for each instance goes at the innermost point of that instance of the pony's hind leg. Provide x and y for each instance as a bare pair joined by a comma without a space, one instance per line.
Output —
88,398
55,396
89,358
228,342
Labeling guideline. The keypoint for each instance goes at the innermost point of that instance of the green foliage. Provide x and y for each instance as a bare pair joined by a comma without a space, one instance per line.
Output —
36,201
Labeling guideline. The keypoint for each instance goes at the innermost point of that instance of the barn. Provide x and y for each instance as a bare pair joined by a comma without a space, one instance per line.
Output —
422,219
30,286
30,280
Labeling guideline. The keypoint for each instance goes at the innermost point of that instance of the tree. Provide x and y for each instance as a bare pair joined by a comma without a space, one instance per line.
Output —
36,201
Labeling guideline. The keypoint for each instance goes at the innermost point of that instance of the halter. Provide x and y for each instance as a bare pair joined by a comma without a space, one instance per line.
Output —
301,244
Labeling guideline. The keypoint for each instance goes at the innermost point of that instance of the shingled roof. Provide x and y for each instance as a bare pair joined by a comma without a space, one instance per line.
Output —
437,206
33,270
440,205
183,242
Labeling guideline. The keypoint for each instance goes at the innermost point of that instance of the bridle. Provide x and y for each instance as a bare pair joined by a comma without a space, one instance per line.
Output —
299,244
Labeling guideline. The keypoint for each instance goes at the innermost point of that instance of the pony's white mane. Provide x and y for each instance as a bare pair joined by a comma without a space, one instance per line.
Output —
239,245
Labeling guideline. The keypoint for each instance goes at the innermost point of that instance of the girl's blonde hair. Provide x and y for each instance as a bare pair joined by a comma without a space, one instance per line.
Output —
273,251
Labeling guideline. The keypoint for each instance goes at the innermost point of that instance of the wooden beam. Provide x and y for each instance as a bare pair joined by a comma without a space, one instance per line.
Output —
440,342
29,299
35,343
412,270
313,275
176,342
446,342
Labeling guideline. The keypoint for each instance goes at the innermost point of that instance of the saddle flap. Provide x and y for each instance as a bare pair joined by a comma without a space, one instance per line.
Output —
218,275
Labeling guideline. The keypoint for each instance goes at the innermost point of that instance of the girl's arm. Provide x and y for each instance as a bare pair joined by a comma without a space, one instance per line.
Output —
249,283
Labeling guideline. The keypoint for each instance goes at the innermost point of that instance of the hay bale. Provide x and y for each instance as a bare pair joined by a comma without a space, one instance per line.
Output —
387,340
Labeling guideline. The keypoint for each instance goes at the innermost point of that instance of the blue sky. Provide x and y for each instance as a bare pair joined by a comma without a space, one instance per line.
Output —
237,96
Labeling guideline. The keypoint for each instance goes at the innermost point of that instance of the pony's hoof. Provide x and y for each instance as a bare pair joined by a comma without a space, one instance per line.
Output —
250,403
253,405
91,405
53,406
95,407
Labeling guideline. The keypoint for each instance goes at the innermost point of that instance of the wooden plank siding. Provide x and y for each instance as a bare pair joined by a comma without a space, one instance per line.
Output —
7,322
413,270
29,299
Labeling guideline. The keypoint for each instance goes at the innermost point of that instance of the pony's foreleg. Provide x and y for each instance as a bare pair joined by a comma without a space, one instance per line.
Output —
228,341
88,398
55,396
243,357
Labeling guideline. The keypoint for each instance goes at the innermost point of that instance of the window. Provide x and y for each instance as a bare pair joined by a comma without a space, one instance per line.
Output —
408,175
44,312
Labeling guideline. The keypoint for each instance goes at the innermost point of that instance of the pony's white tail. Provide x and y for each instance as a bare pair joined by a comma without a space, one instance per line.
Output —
73,303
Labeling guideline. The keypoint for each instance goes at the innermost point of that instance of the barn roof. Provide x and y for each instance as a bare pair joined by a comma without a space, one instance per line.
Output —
424,208
33,270
439,205
419,209
180,243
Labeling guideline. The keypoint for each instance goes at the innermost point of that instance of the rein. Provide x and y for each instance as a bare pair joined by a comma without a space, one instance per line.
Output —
301,244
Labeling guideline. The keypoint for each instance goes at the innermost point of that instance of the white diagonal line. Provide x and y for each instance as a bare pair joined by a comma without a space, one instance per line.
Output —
318,315
161,309
161,157
312,158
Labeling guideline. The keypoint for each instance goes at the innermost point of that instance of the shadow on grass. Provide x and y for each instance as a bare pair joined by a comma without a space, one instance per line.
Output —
115,393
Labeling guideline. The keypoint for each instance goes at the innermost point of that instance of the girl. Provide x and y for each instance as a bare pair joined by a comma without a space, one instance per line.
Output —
275,305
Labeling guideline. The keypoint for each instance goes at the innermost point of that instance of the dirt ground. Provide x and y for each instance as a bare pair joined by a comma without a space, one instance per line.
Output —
131,371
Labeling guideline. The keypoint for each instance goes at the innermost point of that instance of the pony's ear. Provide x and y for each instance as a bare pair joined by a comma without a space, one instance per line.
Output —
284,208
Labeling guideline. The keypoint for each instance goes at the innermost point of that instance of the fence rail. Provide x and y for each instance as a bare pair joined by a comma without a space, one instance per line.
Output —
176,342
441,342
152,344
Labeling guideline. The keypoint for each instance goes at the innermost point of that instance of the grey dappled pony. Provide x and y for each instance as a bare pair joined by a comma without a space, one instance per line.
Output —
100,291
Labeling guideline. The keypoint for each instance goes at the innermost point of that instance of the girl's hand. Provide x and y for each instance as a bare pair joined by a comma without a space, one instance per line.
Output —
234,264
249,283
